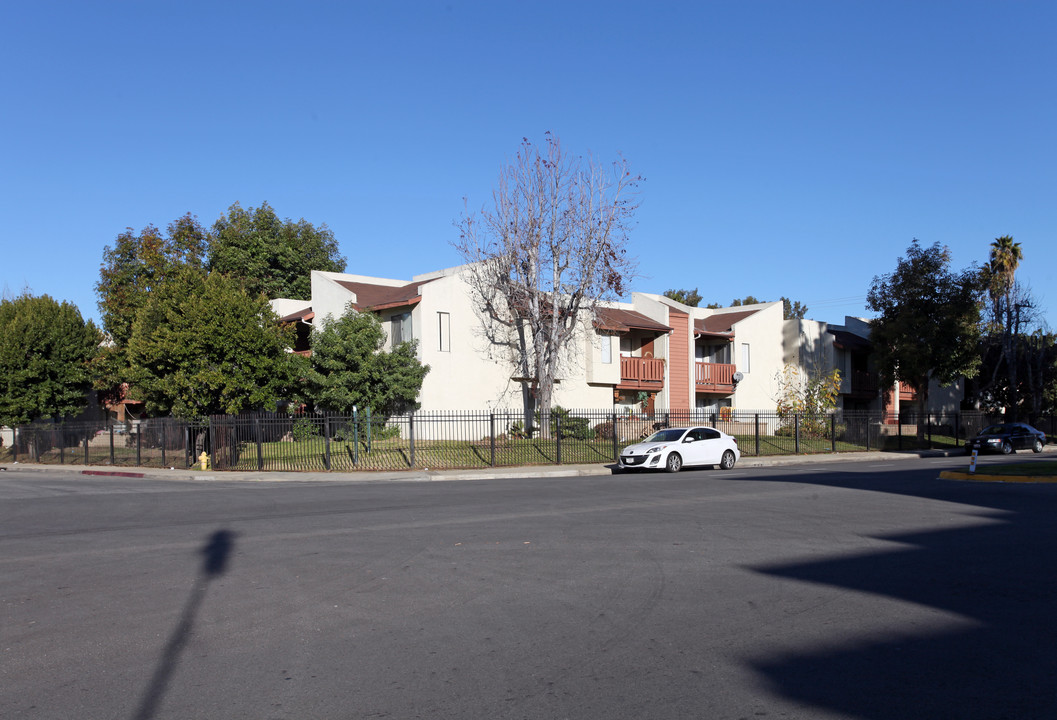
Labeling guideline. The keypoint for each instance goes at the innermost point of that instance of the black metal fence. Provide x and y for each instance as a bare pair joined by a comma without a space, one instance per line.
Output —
447,440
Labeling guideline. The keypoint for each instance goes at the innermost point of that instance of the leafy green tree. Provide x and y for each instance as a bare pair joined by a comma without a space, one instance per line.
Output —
274,257
137,264
45,347
793,310
928,324
686,297
790,310
350,368
203,345
133,268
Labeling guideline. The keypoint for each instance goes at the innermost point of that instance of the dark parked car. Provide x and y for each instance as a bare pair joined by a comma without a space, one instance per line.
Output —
1007,438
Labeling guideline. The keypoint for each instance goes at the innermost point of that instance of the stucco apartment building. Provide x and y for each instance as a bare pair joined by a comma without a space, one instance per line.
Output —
676,357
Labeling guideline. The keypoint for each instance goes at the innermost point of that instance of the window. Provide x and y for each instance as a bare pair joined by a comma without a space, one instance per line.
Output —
444,331
744,364
401,325
607,349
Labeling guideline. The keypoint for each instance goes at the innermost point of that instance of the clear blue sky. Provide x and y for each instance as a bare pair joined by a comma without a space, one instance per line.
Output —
789,148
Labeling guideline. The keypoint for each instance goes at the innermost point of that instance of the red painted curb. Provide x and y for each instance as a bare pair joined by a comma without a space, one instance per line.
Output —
112,474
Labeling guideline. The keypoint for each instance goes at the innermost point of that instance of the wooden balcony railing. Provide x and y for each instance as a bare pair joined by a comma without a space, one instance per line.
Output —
714,377
641,373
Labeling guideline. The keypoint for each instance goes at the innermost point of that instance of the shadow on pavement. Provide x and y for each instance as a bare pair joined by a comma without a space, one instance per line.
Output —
996,575
215,553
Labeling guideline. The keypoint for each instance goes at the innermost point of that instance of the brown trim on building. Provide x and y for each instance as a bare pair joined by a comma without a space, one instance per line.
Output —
679,394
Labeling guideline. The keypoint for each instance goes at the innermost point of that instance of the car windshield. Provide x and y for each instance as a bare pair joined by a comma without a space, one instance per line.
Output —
995,430
665,436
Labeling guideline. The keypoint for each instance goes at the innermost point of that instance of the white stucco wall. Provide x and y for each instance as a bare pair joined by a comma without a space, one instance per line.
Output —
285,306
762,332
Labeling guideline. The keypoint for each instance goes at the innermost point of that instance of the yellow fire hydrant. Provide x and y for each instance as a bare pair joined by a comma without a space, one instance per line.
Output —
204,459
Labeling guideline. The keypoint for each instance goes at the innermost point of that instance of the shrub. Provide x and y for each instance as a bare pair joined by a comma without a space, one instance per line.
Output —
304,429
604,430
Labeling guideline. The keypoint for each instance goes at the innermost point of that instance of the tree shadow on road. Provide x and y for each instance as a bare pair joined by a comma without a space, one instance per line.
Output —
994,577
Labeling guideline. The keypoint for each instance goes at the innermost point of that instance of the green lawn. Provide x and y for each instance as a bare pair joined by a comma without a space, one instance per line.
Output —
1041,467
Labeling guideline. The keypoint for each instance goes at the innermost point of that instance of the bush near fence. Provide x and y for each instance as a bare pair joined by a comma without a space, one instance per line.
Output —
448,440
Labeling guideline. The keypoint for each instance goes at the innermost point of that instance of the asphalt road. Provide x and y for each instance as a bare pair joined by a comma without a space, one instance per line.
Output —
836,590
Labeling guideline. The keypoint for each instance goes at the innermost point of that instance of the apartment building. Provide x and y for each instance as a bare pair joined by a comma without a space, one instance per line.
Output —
651,352
652,349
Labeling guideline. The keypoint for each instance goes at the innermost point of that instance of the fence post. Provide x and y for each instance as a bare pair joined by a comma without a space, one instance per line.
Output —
62,446
757,434
14,443
111,444
368,429
557,437
326,439
928,423
491,436
957,428
139,460
260,443
616,448
355,436
713,420
868,425
164,424
87,433
833,433
411,435
796,433
899,431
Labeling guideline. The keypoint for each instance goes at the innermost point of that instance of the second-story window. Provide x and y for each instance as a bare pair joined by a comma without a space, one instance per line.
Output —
401,328
607,349
744,364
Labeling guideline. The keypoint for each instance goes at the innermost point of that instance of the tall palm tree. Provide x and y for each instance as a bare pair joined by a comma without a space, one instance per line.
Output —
1005,258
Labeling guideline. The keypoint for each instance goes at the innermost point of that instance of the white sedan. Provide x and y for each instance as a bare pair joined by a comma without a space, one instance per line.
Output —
672,448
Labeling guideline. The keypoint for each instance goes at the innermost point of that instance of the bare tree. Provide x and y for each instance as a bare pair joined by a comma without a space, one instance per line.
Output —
549,250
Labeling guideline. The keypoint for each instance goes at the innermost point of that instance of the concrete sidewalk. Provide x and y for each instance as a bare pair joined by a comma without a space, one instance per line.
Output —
425,475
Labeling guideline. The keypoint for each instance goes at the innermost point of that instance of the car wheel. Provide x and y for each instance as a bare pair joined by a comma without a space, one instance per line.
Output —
727,462
674,463
1007,447
1037,447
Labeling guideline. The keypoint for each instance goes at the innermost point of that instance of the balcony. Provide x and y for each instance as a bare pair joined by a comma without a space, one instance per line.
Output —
714,377
864,384
641,374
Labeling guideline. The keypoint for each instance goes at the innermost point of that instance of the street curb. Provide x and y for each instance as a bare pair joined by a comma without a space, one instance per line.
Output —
426,475
975,477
